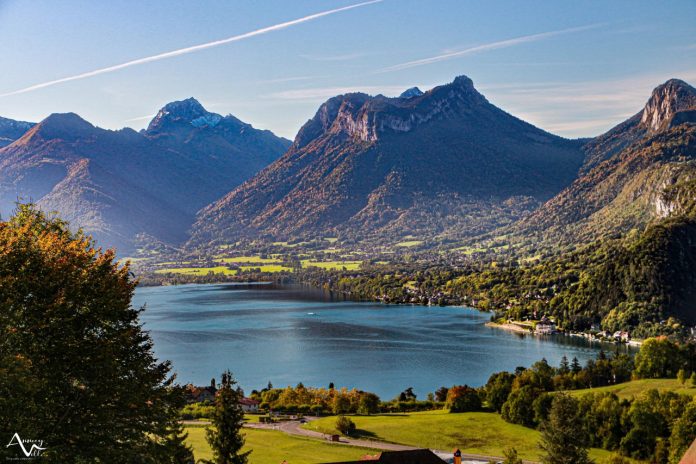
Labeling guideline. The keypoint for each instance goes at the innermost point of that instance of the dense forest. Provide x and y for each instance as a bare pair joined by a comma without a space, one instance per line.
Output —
644,283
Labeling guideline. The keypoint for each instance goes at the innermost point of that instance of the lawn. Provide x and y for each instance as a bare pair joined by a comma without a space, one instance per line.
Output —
634,388
334,265
271,447
250,259
197,270
409,243
473,432
267,268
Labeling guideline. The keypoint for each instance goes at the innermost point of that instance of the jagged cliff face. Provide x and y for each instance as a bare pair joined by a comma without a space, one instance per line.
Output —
672,102
365,118
631,174
441,162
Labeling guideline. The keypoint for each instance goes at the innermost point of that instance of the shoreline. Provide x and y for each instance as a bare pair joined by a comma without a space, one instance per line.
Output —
508,327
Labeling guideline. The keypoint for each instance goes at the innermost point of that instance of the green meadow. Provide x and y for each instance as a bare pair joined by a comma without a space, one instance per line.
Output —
273,447
249,259
197,270
635,388
332,265
473,432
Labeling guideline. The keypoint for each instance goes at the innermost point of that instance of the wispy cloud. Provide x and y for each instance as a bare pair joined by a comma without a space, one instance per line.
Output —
579,109
486,47
322,93
344,57
280,80
192,49
141,118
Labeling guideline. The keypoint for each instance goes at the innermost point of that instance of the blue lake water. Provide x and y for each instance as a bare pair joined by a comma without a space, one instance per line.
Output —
293,334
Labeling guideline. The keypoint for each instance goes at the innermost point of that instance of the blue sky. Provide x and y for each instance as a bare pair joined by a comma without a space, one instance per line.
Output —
573,68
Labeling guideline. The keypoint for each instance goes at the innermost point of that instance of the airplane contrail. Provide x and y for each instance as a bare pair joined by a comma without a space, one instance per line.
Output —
484,47
184,51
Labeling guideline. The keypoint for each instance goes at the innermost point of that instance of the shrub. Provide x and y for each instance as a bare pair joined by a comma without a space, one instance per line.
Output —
345,425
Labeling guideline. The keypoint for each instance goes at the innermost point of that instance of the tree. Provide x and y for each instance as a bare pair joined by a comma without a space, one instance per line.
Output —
683,434
368,403
345,425
575,366
511,456
224,436
681,376
76,368
341,404
565,366
407,395
463,399
562,436
441,394
658,358
498,389
518,408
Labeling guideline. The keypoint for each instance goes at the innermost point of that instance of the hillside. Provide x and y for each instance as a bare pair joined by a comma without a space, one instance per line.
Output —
124,186
628,174
11,130
445,162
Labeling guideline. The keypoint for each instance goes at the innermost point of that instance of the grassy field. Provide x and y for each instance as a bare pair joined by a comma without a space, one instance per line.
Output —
409,243
197,270
271,447
267,268
474,432
634,388
250,259
349,265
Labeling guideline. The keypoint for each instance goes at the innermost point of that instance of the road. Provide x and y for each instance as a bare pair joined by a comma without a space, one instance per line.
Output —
295,428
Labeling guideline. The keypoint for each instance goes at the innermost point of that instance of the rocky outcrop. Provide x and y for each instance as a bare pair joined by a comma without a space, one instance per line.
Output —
671,103
365,118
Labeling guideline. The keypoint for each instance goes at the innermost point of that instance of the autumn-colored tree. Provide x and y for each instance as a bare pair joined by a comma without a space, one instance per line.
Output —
76,369
463,399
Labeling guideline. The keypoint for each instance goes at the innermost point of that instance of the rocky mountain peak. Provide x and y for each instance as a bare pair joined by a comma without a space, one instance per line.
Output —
365,117
667,101
188,111
463,81
411,93
65,126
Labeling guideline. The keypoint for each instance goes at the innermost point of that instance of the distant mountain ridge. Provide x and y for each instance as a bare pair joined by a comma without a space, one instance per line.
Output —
11,130
445,162
124,185
627,172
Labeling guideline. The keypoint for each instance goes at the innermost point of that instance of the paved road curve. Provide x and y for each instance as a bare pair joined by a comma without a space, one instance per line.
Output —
295,428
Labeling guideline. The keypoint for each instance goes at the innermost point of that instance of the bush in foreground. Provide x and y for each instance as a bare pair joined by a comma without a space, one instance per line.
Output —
345,425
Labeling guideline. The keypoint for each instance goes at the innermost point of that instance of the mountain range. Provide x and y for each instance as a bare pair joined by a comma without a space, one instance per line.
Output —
441,165
126,187
443,162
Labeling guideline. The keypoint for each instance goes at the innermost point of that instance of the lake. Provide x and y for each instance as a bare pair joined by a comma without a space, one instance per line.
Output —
292,334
